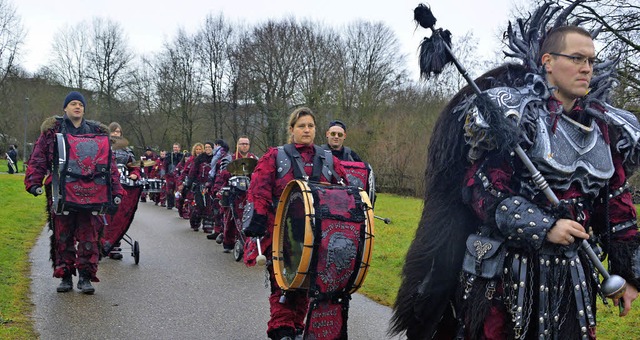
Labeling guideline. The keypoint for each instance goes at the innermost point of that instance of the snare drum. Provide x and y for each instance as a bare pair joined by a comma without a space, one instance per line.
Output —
124,176
155,185
240,183
323,237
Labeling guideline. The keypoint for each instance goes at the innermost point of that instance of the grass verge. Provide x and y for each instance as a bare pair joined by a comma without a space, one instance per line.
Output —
21,219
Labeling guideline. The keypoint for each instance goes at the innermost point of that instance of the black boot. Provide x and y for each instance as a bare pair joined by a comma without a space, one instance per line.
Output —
283,333
66,284
84,284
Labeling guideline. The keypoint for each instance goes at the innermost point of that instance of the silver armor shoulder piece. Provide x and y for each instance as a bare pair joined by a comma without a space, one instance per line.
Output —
629,127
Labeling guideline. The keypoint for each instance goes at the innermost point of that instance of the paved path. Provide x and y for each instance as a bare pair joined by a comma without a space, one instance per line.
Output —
184,287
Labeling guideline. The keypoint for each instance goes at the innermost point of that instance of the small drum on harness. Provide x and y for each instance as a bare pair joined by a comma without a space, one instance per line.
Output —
154,186
240,183
124,176
323,237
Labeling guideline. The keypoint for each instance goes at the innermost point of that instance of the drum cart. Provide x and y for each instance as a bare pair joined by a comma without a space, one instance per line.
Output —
134,247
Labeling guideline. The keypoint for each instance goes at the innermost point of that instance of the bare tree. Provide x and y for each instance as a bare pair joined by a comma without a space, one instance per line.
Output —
272,64
11,38
107,63
215,42
179,86
69,55
143,123
371,66
321,70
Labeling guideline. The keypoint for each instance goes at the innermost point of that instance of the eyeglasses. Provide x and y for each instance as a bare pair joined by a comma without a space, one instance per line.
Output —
578,59
339,134
243,143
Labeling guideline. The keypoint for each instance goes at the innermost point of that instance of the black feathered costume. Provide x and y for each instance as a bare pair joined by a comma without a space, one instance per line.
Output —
475,189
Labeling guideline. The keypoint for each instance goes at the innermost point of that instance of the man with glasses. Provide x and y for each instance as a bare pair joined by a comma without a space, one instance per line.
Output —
336,134
538,281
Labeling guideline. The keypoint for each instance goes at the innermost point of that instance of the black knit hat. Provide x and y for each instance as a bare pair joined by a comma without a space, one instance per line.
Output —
338,123
74,95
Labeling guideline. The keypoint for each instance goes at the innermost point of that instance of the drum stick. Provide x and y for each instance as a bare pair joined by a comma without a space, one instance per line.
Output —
384,219
261,259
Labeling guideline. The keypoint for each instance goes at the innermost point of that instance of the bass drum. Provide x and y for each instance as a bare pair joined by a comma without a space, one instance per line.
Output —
323,237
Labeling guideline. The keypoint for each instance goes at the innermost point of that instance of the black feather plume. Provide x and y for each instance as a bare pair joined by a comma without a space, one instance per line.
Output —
423,16
433,53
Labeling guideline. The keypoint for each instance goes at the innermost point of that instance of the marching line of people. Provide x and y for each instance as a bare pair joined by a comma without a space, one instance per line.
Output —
94,184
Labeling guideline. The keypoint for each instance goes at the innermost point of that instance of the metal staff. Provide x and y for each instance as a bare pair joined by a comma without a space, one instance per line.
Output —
613,286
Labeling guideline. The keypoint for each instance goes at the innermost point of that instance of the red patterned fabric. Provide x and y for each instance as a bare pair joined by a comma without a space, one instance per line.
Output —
119,223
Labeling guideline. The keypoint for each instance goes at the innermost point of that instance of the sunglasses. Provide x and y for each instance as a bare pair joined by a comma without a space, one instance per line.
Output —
339,134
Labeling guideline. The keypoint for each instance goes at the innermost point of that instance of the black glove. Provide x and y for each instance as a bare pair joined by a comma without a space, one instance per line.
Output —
253,224
35,190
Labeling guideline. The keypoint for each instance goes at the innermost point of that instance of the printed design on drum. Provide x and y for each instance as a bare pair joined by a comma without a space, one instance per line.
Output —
341,252
86,163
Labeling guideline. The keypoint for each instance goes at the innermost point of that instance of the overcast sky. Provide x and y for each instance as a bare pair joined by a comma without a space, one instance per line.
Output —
148,23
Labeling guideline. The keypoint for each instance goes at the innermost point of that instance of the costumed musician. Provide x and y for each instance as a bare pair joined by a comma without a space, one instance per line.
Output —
186,195
230,230
267,183
219,161
336,135
170,164
148,155
78,225
515,264
198,181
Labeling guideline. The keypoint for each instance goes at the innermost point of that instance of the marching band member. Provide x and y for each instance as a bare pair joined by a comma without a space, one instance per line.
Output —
267,183
198,180
77,226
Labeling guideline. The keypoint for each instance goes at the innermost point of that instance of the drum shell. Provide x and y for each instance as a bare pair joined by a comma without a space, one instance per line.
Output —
331,253
239,183
155,185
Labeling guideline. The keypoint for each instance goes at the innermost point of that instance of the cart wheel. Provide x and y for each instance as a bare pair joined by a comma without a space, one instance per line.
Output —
238,249
136,252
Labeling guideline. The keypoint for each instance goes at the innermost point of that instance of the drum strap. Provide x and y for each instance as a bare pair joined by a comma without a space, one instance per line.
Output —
319,161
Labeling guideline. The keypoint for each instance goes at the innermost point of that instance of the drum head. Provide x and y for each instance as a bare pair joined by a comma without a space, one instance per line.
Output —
293,236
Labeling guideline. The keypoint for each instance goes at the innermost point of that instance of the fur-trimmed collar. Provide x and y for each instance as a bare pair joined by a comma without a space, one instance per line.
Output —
54,121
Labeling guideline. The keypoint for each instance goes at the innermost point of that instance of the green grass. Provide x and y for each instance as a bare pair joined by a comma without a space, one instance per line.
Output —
4,166
21,219
23,215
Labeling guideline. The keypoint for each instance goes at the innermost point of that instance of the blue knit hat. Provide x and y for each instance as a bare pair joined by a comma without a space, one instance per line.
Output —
74,95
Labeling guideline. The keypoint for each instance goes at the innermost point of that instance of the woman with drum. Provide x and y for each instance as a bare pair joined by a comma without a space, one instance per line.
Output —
198,181
186,196
118,224
267,184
